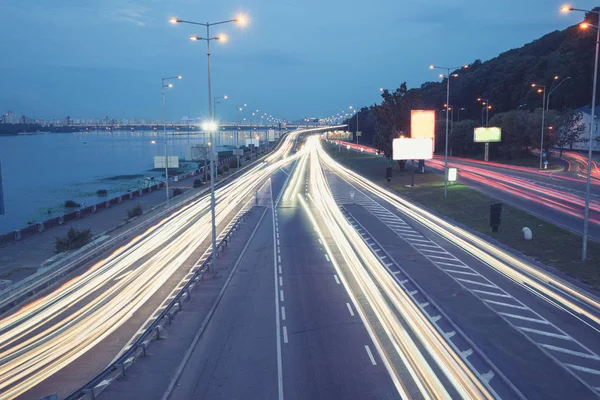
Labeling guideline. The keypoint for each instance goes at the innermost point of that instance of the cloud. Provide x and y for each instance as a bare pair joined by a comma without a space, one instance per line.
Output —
132,13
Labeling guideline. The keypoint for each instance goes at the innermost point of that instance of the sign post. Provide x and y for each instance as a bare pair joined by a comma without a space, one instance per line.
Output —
487,135
412,149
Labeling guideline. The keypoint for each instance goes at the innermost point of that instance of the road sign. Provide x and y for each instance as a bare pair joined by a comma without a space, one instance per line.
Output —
159,161
358,133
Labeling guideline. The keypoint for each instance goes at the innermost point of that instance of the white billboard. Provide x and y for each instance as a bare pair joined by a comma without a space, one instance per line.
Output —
422,124
487,135
252,141
159,161
271,134
412,149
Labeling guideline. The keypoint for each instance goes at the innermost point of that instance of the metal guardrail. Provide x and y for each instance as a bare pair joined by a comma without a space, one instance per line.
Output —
117,369
20,291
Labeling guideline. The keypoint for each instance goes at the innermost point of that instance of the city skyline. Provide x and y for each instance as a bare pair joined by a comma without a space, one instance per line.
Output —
100,74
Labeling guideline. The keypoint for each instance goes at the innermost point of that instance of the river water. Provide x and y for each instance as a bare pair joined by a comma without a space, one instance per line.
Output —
41,171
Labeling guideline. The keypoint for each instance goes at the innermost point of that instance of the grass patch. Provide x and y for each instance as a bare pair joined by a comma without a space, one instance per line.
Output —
551,244
123,177
74,239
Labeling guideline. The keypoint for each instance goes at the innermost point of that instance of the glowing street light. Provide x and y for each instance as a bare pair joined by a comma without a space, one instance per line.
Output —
169,85
242,20
447,116
586,212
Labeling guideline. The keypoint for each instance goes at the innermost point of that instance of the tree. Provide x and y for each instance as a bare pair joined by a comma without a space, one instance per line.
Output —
570,129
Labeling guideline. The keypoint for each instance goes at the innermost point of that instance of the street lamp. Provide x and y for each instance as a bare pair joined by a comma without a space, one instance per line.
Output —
356,132
586,212
553,88
240,20
168,85
215,102
486,106
543,91
447,76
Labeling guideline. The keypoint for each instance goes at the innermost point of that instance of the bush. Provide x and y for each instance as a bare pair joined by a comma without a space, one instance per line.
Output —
198,183
233,163
74,239
135,211
177,191
225,167
71,204
102,192
219,170
247,158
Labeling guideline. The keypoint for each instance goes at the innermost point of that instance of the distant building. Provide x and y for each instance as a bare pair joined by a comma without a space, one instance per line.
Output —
587,121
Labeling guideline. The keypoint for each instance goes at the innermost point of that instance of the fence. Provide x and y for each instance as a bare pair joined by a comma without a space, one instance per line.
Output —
83,212
118,368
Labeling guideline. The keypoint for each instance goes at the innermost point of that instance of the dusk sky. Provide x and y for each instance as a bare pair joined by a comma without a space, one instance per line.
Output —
296,58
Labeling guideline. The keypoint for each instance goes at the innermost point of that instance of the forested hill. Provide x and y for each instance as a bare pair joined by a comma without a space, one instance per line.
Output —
506,81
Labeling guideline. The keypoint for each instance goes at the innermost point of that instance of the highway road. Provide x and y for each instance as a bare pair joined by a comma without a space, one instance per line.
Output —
555,196
46,336
343,290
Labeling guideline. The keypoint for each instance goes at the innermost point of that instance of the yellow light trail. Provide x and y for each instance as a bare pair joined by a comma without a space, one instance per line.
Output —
512,267
365,267
41,338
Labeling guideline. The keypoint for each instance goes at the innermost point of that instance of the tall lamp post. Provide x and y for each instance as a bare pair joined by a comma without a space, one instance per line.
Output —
211,126
356,132
164,109
553,89
586,212
447,76
543,91
237,135
215,102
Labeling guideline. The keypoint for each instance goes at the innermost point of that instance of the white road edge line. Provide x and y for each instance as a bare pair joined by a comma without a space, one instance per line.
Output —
190,350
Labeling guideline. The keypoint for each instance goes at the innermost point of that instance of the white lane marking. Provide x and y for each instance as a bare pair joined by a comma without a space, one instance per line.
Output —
327,258
320,242
423,305
277,235
350,309
370,355
436,318
539,321
337,280
279,258
454,265
277,322
277,242
285,336
572,352
490,293
451,258
282,313
435,251
280,281
487,376
467,353
461,272
477,283
544,333
583,369
281,295
499,303
449,334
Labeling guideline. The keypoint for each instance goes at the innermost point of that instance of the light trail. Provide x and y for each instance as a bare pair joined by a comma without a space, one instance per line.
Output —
388,300
546,286
539,193
46,335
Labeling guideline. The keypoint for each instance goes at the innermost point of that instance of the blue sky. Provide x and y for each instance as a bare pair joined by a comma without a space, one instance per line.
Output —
296,58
